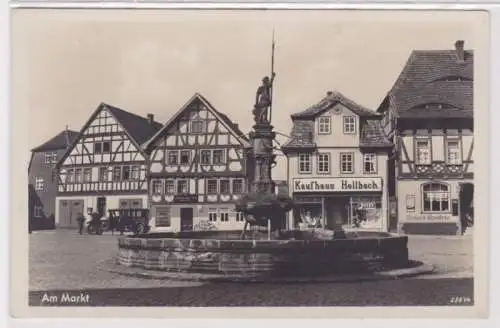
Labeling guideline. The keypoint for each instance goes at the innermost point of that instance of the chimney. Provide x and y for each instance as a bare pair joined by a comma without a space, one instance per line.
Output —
151,118
459,47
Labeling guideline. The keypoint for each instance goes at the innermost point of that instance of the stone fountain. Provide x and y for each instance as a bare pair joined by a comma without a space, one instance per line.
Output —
235,254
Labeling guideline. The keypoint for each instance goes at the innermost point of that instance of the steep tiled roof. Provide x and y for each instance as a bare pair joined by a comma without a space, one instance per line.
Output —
302,135
372,134
434,77
139,128
332,98
62,140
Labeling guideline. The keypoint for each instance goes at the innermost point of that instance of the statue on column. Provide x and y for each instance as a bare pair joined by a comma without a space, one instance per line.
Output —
263,99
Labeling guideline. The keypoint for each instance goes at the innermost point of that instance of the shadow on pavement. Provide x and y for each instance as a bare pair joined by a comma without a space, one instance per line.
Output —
404,292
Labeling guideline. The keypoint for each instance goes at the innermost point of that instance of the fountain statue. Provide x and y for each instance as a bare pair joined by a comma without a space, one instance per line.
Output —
262,206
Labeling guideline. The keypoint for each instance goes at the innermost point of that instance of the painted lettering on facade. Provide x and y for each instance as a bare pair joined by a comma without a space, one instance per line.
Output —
337,185
429,218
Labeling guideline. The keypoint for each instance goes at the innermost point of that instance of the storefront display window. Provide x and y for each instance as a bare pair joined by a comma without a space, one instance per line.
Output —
436,197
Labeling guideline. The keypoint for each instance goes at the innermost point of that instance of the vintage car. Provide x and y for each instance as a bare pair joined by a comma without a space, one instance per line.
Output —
129,219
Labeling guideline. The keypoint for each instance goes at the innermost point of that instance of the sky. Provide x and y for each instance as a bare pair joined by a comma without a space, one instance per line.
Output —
65,63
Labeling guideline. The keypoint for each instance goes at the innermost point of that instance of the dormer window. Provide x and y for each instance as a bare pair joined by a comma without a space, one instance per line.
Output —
324,125
349,124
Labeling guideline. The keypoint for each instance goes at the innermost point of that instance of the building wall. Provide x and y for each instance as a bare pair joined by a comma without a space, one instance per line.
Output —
200,216
90,201
46,197
411,213
337,114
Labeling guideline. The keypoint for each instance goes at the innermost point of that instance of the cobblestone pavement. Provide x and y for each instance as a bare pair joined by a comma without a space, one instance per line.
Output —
63,260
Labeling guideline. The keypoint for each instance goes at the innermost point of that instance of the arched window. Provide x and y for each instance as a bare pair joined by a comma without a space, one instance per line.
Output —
436,197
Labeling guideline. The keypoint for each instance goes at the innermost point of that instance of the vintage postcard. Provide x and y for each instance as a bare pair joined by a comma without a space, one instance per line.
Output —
332,160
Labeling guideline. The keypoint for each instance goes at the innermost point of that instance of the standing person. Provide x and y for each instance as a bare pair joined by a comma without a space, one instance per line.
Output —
81,220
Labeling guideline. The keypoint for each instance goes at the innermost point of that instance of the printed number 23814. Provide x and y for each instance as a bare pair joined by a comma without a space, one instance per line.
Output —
460,300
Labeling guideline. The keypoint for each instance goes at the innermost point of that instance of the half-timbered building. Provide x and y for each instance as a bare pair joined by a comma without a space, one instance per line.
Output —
42,185
429,115
337,164
198,169
105,167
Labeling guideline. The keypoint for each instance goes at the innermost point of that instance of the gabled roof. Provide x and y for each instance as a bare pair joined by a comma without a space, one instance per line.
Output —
136,127
62,140
373,135
230,125
434,77
333,98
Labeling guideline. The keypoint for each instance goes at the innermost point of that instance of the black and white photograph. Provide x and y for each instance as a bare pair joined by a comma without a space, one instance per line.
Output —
330,159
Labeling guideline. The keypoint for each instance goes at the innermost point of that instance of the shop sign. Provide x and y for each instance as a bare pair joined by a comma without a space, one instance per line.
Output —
429,217
186,199
363,184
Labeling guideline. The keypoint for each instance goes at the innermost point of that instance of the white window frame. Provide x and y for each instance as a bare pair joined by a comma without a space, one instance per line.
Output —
341,162
38,211
173,152
170,183
228,185
428,150
105,177
212,214
135,172
372,159
349,124
438,195
223,160
209,156
458,153
70,176
238,216
203,126
216,187
304,159
39,184
50,157
324,125
224,214
85,176
156,187
116,168
78,175
321,162
178,186
232,186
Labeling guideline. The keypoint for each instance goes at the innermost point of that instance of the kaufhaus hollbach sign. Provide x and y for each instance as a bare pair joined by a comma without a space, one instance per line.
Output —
362,184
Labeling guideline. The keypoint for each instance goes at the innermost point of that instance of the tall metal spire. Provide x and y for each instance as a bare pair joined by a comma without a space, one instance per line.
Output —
272,73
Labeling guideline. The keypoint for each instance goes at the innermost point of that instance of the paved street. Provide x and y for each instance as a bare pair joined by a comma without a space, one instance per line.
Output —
65,261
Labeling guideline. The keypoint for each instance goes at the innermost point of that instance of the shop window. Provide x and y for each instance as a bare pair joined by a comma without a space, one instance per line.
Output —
370,163
436,197
423,151
453,155
324,125
346,162
304,163
163,217
212,214
224,214
324,163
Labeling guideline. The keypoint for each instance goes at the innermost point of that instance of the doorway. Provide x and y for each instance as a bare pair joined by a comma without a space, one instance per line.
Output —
186,219
337,211
69,210
466,203
101,206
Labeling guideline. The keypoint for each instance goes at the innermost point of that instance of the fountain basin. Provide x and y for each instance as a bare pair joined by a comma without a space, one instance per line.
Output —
221,253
